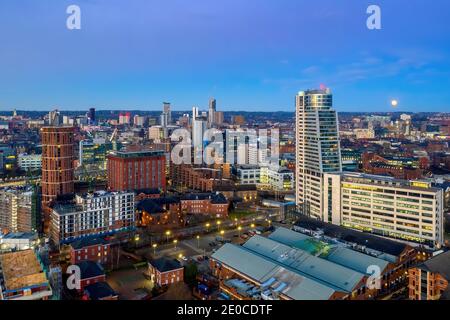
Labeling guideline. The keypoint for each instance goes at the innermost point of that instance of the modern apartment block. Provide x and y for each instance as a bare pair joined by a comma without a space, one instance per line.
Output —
136,170
318,148
98,213
401,209
16,209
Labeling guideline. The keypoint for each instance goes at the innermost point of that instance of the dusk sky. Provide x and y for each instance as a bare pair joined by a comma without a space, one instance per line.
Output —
251,55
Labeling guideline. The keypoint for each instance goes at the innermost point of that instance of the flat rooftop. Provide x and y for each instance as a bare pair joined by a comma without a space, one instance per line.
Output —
385,181
21,270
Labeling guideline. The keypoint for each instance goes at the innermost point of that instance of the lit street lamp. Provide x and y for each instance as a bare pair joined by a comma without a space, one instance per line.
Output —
175,243
239,229
167,235
198,241
154,248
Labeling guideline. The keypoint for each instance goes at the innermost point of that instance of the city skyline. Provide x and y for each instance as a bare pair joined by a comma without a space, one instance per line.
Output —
250,55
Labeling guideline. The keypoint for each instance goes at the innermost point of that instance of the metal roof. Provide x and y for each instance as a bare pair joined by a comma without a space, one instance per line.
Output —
346,257
261,269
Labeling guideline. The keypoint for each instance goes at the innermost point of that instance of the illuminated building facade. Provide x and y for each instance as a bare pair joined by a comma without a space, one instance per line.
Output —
318,148
401,209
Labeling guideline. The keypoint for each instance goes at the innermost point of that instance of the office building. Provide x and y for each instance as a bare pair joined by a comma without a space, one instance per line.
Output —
318,148
248,174
29,162
91,116
278,179
136,170
93,214
401,209
93,153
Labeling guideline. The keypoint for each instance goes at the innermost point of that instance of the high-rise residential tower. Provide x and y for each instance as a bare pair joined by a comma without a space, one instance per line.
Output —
211,112
318,149
167,113
57,165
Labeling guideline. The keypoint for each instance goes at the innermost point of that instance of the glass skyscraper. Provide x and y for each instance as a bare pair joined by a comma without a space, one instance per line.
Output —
317,150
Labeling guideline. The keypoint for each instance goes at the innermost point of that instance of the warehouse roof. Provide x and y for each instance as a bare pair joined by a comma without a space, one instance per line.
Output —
390,247
21,270
261,269
337,254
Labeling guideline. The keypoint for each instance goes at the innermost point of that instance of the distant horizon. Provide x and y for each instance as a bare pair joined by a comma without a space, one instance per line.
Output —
225,111
252,55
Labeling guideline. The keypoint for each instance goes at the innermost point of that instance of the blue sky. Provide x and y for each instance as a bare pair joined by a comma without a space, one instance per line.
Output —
251,55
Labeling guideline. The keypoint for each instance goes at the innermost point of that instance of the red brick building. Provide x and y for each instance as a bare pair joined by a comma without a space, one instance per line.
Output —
136,170
91,272
212,204
202,179
93,249
165,271
57,166
429,280
395,167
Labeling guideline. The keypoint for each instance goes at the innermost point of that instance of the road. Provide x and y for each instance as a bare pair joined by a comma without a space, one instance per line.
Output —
192,246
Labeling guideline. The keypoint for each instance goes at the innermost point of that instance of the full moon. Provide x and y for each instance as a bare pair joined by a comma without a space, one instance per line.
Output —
394,103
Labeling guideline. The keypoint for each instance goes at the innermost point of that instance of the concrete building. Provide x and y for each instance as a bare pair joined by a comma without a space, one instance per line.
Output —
248,174
401,209
318,148
93,214
30,162
280,179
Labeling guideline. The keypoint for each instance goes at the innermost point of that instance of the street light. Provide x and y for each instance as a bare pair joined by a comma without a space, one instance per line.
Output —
175,242
252,225
239,228
154,248
198,241
207,226
168,234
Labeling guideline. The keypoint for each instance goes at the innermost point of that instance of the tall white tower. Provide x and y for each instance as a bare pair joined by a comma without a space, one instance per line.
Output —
317,149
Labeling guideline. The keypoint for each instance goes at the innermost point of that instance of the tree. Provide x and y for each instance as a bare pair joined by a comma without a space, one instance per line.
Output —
190,272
